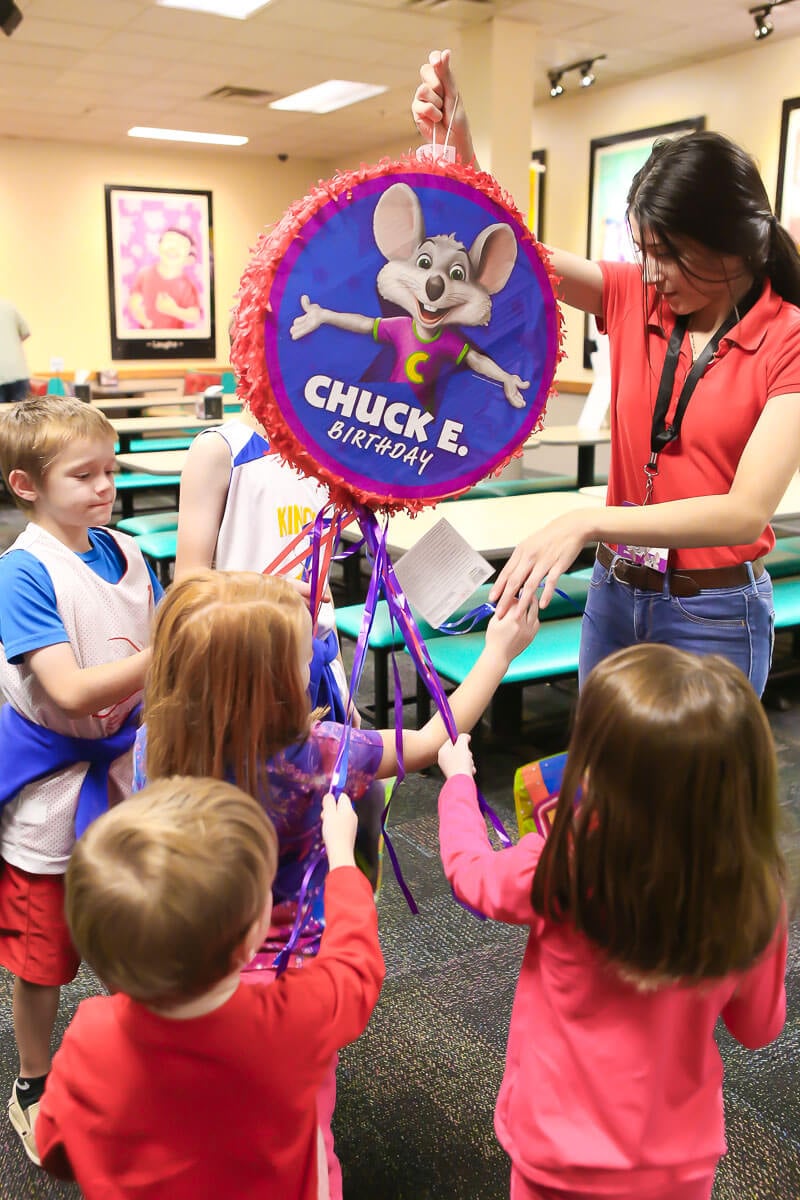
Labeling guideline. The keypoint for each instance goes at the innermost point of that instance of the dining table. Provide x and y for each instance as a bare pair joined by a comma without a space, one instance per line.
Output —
126,428
586,441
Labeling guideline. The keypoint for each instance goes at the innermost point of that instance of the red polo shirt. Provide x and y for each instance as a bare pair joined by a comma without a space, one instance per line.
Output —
758,359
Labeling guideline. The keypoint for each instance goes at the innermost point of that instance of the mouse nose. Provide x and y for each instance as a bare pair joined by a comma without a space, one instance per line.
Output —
434,286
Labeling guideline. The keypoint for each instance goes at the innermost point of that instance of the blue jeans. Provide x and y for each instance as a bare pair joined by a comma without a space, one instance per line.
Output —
735,622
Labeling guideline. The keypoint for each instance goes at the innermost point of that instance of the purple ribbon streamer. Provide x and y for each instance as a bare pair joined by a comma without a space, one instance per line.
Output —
302,914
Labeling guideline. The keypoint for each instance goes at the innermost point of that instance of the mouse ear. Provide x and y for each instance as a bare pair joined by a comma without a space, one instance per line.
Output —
493,254
397,222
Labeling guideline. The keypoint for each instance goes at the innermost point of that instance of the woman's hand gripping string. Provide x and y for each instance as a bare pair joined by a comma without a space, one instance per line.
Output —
542,558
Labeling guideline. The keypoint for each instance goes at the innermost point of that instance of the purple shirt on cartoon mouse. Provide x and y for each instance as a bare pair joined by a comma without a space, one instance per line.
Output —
419,360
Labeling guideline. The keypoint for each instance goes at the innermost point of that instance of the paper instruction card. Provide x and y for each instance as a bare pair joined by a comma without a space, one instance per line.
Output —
440,572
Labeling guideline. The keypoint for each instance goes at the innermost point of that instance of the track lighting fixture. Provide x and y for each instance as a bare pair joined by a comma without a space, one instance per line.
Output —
585,66
761,17
763,24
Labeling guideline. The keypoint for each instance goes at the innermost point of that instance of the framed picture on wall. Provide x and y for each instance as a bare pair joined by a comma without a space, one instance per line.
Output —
538,172
613,163
787,196
160,272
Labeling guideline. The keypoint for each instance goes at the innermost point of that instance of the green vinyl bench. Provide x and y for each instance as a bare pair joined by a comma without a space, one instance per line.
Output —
130,483
784,558
530,485
153,444
383,639
159,549
553,654
159,522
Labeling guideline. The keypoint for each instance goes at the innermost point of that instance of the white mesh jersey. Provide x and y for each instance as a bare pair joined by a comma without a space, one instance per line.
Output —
268,503
105,622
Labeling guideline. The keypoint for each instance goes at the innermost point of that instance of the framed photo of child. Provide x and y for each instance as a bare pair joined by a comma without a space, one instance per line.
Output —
787,198
160,273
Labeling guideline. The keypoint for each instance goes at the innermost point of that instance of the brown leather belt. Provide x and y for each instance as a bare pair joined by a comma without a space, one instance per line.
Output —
681,583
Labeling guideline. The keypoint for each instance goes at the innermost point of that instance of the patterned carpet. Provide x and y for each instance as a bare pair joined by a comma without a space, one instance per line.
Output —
416,1093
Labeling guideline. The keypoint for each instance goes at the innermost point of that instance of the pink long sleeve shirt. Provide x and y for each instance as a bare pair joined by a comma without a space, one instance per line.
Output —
607,1086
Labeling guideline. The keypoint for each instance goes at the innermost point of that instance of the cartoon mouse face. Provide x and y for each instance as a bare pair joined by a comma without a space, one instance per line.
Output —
436,279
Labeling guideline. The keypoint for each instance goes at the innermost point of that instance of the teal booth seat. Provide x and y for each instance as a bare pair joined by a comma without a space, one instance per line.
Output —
530,485
786,598
552,654
159,522
784,559
159,549
166,443
130,484
488,488
383,639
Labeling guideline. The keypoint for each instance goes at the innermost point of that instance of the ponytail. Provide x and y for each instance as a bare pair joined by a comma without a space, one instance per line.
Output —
783,263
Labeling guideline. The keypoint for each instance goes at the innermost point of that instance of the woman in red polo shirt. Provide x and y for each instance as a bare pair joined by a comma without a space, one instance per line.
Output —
705,409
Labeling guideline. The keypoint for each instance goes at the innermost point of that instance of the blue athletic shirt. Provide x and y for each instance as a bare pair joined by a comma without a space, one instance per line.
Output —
29,617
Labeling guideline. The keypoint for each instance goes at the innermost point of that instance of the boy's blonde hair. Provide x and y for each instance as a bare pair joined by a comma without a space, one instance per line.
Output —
670,862
33,433
224,692
162,890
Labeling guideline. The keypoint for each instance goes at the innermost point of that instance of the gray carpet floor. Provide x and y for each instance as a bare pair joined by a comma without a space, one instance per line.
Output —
417,1091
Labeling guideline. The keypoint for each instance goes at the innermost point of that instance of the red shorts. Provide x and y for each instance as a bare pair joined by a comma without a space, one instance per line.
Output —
35,944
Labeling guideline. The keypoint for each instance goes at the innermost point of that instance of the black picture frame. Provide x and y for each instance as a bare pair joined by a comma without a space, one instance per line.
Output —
613,161
787,192
538,178
159,246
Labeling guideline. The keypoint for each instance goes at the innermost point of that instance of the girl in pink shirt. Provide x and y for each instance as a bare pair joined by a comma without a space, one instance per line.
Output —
655,906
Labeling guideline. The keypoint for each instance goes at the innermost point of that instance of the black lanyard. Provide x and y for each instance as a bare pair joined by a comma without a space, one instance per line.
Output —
662,434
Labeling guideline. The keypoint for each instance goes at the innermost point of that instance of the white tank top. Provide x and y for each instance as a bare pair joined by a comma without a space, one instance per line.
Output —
105,622
267,505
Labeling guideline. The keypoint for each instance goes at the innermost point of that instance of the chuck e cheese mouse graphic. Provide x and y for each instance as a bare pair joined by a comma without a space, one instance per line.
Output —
441,285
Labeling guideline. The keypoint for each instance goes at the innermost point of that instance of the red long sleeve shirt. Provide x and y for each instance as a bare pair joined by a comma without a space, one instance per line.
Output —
142,1105
603,1080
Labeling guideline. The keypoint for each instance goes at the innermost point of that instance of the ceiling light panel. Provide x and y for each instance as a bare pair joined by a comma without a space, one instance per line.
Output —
327,97
239,10
186,135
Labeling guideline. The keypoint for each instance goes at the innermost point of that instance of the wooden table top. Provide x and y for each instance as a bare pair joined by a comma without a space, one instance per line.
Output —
154,462
119,391
568,435
136,403
177,422
493,526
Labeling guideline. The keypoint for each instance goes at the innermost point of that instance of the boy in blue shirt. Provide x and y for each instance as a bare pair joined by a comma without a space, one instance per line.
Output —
76,603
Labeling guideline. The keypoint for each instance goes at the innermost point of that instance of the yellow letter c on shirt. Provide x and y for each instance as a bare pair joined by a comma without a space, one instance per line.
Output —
413,363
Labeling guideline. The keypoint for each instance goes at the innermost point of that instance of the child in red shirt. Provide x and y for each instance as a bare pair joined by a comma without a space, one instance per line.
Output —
655,906
227,696
186,1082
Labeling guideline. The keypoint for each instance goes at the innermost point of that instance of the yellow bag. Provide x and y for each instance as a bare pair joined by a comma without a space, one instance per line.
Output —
536,788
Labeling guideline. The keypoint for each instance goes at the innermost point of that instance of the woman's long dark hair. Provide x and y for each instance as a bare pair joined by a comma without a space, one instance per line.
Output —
705,187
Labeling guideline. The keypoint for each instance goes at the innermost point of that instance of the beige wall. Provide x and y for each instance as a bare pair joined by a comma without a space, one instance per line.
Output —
740,96
52,218
53,256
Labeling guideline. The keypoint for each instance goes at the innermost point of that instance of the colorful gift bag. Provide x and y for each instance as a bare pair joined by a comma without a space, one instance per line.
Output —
536,788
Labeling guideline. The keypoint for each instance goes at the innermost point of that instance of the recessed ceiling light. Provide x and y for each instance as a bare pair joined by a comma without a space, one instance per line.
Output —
240,9
328,96
186,135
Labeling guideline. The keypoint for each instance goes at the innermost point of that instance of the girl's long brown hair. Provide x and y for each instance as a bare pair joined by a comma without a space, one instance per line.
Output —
670,862
225,691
